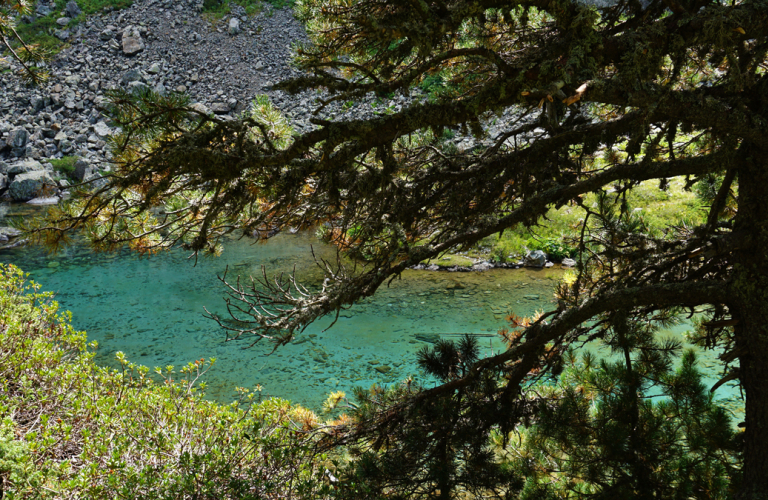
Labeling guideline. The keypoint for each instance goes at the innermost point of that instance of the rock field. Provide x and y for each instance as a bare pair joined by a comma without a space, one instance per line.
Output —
166,45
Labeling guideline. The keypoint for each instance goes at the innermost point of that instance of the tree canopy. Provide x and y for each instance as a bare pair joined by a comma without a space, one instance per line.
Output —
595,99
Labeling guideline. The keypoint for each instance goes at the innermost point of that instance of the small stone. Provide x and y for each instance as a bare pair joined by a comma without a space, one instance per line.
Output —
384,369
234,26
220,108
181,89
102,129
568,262
72,9
63,21
132,41
154,69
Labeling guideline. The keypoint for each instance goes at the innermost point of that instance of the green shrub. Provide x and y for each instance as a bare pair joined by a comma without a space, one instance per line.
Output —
71,429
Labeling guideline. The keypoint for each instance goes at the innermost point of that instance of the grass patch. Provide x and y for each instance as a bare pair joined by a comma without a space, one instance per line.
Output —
40,32
65,165
220,8
451,260
658,209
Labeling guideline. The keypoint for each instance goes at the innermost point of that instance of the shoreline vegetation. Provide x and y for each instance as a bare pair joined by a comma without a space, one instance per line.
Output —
72,429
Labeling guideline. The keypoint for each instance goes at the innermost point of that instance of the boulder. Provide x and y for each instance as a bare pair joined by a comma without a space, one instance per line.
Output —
24,167
17,141
72,9
537,258
82,170
30,185
63,21
568,262
132,42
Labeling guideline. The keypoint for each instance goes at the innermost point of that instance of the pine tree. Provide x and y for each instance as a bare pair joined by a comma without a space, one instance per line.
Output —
601,99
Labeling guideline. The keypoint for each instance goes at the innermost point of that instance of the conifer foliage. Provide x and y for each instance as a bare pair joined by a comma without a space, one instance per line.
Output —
563,99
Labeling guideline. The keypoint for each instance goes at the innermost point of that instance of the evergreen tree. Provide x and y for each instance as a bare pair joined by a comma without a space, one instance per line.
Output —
602,98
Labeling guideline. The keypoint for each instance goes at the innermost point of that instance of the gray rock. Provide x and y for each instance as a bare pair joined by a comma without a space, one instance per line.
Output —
102,129
137,87
220,108
132,41
130,76
82,170
24,167
154,69
568,262
96,180
72,80
482,266
63,21
17,139
67,147
72,9
62,35
106,35
200,108
3,181
3,167
536,258
30,185
37,104
234,26
42,10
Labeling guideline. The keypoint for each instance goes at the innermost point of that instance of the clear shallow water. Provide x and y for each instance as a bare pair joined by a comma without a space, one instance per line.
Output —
151,308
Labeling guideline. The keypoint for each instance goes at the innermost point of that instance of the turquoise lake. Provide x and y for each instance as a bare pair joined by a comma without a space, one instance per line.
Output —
151,308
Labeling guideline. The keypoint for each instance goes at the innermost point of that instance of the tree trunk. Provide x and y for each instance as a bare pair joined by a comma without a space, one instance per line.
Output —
750,304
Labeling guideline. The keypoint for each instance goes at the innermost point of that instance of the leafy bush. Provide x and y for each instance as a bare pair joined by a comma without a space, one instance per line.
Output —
71,429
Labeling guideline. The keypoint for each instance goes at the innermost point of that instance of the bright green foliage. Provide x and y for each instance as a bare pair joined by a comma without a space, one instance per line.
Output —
69,429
